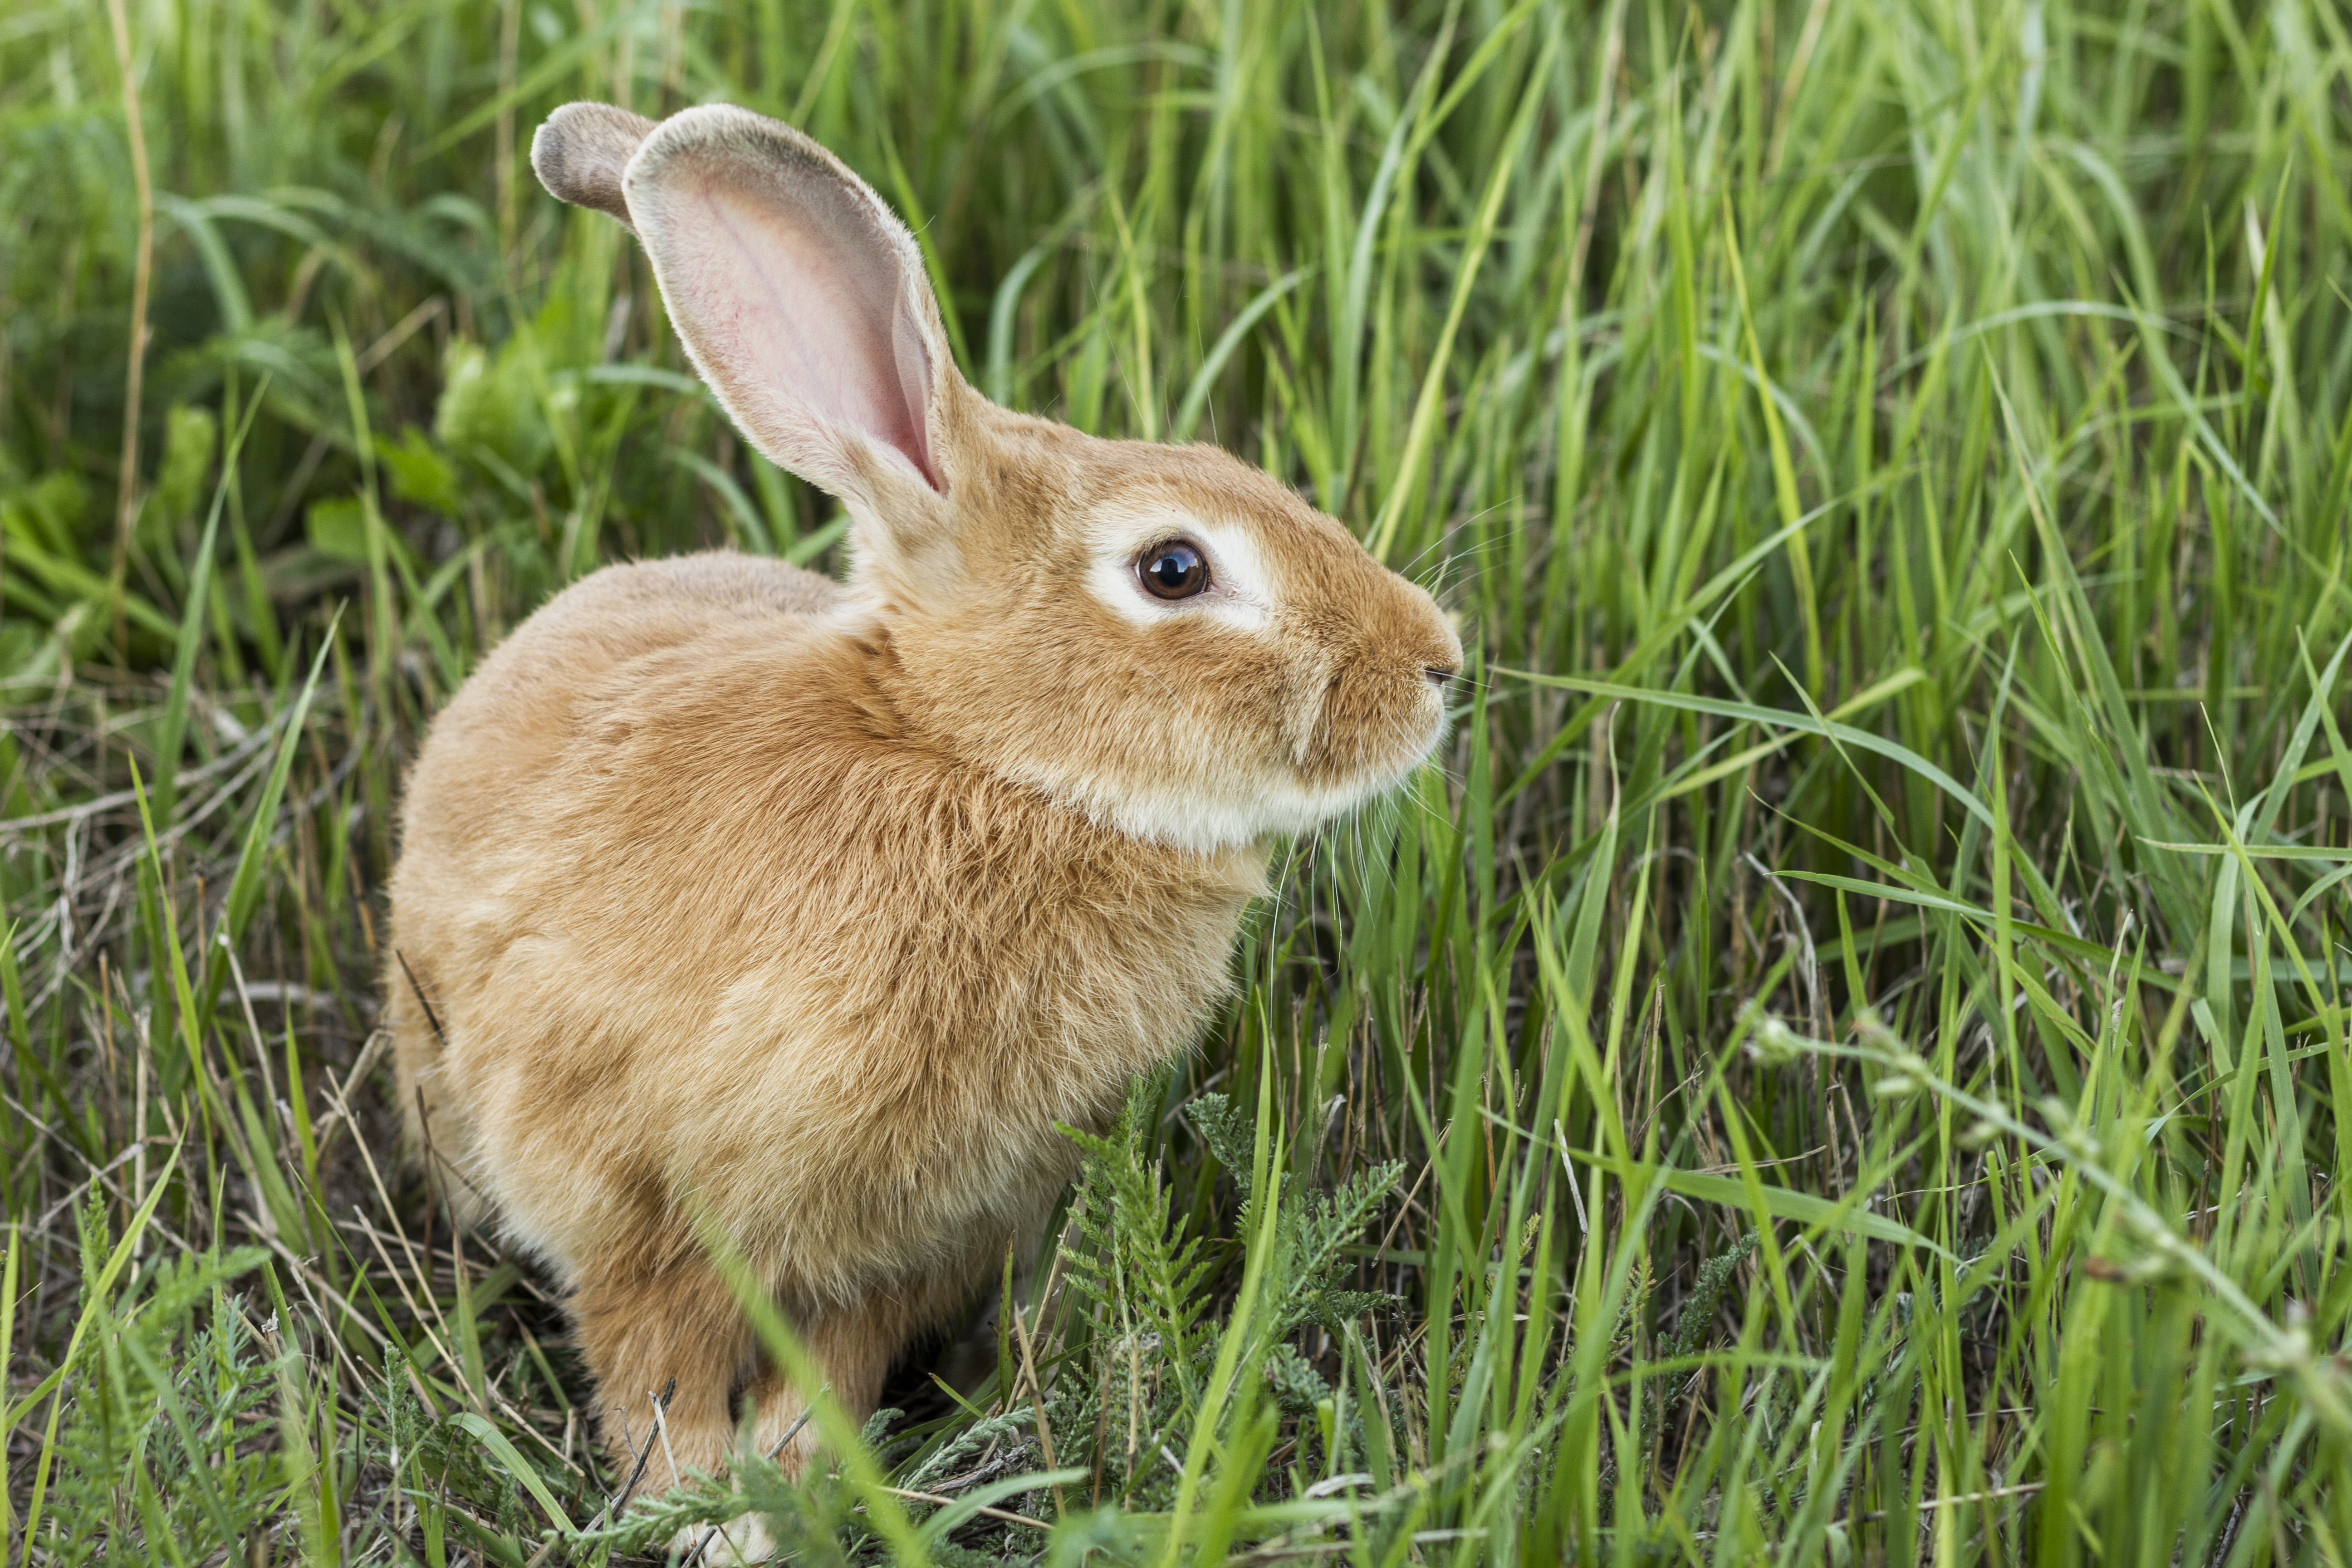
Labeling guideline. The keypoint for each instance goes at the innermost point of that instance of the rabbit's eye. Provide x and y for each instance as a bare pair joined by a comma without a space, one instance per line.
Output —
1176,569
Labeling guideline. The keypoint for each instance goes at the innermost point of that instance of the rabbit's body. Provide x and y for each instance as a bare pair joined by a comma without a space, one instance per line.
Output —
892,990
847,1037
733,901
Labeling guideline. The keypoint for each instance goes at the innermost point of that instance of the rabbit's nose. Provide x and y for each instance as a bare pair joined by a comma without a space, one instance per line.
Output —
1438,677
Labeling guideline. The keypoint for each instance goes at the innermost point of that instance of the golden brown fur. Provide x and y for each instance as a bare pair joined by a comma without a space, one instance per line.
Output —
809,911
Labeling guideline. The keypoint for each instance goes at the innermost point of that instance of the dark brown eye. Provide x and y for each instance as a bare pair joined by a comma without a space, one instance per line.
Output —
1176,569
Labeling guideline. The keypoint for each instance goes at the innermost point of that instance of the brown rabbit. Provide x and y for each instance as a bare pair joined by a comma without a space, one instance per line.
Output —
809,910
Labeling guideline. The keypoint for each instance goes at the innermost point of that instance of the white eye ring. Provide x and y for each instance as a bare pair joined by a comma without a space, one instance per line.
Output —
1234,592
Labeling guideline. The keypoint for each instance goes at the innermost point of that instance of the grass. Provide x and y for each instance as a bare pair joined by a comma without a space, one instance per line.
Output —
1846,1061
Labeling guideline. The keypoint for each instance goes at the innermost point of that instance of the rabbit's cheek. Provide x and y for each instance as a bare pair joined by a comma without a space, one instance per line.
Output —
1183,741
1376,724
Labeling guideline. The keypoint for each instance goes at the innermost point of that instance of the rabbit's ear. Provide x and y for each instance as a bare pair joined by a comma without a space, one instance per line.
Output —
581,150
801,299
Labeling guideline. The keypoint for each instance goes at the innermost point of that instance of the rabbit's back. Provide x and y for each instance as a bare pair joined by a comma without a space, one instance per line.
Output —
502,729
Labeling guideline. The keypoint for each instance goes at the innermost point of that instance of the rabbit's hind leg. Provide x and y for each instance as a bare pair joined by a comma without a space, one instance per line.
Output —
853,1346
639,1331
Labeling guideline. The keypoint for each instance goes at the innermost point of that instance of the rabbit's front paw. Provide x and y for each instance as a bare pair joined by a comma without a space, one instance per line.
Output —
737,1543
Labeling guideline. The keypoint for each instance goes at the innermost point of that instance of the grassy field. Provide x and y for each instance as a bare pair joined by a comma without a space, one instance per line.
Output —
1846,1061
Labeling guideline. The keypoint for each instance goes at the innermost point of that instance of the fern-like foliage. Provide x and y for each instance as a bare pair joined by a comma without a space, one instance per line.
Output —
1138,1362
1133,1262
1311,1233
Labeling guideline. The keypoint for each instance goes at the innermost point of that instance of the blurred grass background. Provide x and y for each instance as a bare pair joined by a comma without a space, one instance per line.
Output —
1844,1061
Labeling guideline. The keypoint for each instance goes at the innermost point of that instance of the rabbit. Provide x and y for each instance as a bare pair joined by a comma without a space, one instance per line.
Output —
733,897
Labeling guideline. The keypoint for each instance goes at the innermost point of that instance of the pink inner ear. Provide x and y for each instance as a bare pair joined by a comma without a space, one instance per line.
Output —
799,297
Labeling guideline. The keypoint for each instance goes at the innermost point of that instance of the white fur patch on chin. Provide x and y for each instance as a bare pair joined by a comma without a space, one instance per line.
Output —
1204,821
1192,823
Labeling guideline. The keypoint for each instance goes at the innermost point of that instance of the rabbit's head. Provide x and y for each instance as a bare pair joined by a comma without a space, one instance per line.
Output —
1163,638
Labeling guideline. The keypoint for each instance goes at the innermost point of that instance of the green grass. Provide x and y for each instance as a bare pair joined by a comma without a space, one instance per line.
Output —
1846,1061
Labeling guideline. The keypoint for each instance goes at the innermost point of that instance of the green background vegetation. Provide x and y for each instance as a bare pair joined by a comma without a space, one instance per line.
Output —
1846,1059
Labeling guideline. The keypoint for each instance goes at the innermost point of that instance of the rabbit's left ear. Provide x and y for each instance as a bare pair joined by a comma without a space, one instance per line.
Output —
801,299
581,150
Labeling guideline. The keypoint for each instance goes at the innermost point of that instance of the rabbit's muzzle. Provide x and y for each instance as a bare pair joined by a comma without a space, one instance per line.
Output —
1383,706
